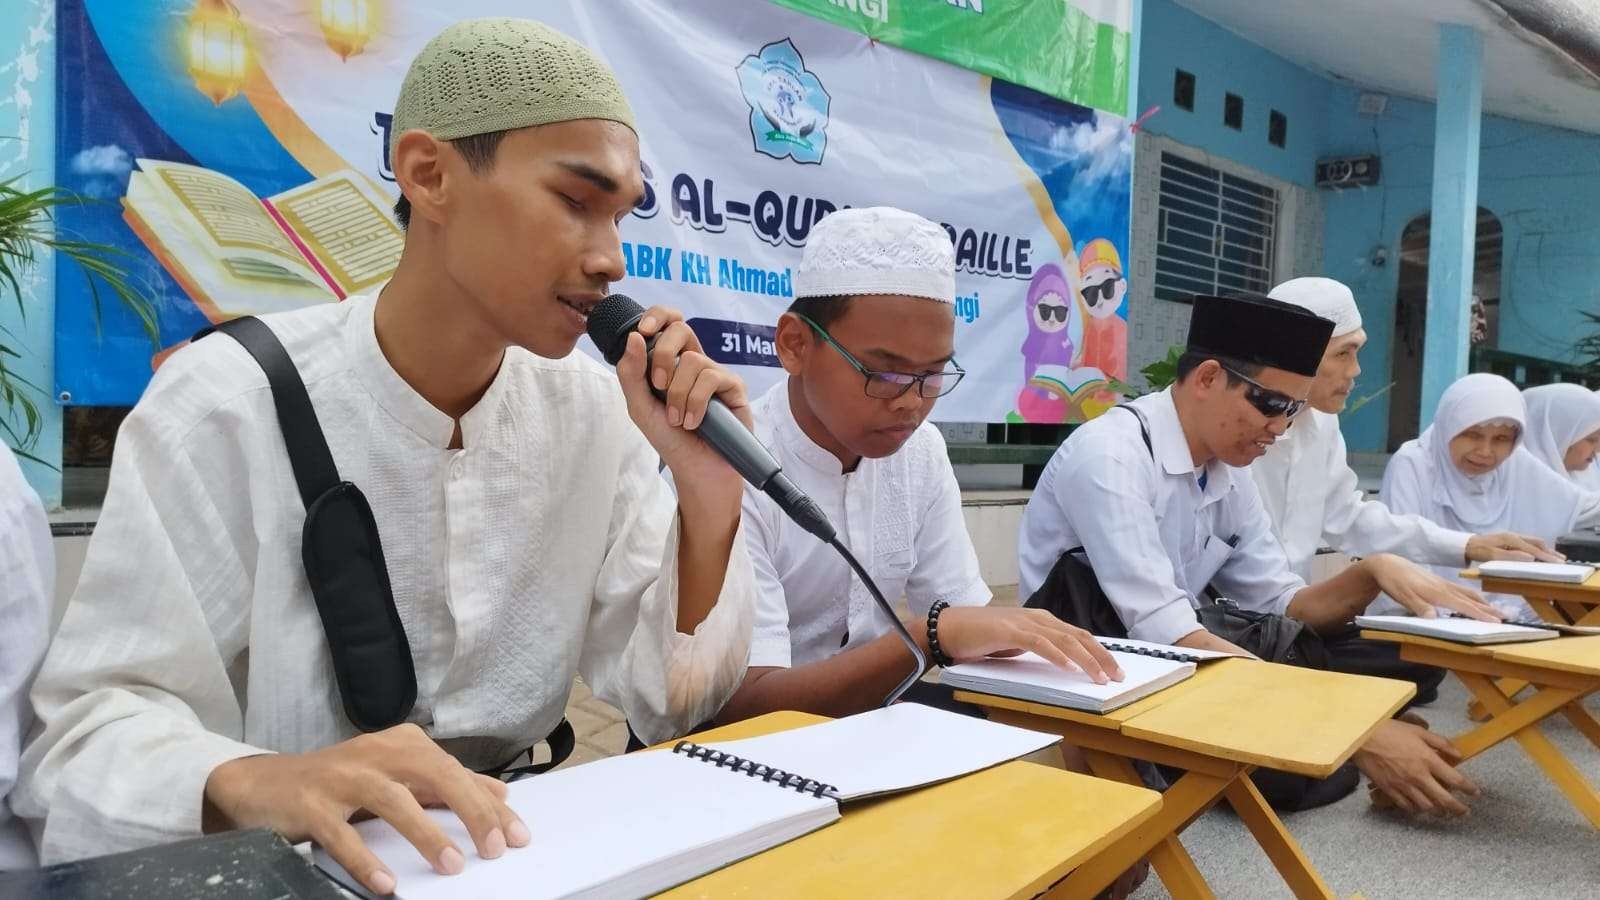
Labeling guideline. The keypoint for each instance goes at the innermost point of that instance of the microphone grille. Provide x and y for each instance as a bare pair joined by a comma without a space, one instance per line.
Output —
610,322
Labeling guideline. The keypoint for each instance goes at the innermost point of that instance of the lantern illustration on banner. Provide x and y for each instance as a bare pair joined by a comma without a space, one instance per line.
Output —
346,25
219,53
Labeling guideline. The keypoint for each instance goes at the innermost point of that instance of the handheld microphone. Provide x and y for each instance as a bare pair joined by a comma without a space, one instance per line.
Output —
610,323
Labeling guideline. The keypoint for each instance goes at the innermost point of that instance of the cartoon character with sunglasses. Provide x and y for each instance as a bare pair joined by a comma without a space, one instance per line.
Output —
1051,321
1102,287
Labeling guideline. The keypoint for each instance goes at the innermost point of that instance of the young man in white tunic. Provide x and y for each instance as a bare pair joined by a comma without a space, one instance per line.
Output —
1161,522
1309,489
868,346
27,586
528,534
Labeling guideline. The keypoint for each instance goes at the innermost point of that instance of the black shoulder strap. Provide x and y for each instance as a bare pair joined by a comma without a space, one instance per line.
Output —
1144,428
314,471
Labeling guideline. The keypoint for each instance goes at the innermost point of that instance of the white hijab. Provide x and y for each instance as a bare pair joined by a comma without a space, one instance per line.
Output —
1559,415
1520,495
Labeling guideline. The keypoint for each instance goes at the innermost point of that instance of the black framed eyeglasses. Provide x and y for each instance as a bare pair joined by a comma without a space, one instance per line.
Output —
891,385
1268,402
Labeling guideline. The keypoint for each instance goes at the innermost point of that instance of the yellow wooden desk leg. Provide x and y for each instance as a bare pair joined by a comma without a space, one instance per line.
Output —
1511,687
1572,611
1509,719
1543,753
1583,721
1192,793
1546,609
1280,845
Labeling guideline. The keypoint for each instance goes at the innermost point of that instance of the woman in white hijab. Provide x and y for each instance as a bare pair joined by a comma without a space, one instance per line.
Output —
1470,472
1564,430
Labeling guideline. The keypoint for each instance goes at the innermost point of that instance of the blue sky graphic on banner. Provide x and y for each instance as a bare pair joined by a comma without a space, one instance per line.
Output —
1084,160
253,181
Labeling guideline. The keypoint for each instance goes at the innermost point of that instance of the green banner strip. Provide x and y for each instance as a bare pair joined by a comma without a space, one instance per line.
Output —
1050,46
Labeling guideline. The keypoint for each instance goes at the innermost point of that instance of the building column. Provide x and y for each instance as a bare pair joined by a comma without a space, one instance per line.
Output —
1453,236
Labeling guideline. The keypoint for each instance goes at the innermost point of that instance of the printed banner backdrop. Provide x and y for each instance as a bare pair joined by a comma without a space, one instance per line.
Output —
240,154
1075,50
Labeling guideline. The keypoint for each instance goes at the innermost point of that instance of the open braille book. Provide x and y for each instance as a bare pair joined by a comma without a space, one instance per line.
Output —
1147,668
634,825
1461,631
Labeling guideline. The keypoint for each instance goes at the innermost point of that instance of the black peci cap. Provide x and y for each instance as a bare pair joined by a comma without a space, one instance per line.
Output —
1260,330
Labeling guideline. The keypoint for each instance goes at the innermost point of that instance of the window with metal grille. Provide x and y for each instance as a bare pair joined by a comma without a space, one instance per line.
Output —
1214,233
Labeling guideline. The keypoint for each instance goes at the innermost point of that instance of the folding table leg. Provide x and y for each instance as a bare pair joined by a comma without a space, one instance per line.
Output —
1538,747
1192,793
1281,847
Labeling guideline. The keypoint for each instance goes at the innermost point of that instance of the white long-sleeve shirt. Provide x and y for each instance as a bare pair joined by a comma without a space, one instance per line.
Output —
1311,493
546,548
1155,538
899,515
27,584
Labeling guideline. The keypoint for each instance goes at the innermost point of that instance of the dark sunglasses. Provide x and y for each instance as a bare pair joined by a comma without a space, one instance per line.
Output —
1268,402
1106,290
1046,310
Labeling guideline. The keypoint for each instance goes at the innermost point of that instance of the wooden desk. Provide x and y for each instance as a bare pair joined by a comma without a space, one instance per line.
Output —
1575,604
1562,672
1012,831
1561,604
1219,726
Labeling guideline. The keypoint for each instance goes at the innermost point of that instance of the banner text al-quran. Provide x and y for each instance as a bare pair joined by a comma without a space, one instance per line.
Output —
251,178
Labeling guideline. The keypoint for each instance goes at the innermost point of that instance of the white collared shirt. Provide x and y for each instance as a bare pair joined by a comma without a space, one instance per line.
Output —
899,515
1154,538
27,584
1311,493
546,548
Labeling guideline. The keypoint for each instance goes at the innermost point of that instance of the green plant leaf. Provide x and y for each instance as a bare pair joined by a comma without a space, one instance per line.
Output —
1587,348
1163,372
1354,405
1119,386
27,230
23,454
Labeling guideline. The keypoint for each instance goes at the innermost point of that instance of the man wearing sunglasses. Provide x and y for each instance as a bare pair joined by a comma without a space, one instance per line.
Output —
1155,495
869,347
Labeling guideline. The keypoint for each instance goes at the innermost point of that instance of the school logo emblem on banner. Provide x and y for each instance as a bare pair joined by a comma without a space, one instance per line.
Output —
788,105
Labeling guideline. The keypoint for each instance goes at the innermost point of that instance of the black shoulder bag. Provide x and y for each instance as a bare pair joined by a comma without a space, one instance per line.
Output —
1072,593
343,559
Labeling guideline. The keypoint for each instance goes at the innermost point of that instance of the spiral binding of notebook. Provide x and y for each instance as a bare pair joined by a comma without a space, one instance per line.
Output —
1147,651
750,767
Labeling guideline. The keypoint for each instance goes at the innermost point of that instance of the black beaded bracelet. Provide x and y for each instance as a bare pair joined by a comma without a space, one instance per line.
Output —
940,658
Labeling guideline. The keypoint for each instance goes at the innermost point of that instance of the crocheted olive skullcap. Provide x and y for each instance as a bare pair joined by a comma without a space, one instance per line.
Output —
497,74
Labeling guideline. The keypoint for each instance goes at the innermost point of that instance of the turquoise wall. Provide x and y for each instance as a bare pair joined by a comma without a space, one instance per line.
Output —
1542,182
27,149
1174,38
1544,185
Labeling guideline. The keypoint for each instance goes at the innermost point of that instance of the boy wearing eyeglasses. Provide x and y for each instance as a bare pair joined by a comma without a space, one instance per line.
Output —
868,346
1155,494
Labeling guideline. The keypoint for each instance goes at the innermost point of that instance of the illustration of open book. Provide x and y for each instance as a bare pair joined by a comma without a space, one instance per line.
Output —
1057,394
236,254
